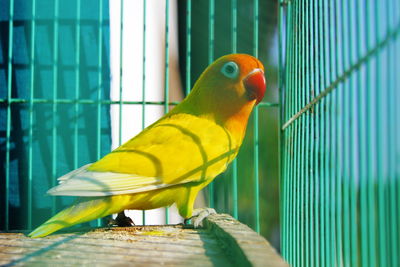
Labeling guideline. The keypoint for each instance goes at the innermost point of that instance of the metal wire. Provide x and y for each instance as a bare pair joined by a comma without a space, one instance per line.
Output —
256,182
121,65
166,77
8,122
78,102
339,185
188,44
34,150
144,83
31,95
99,80
77,79
81,101
54,106
211,21
234,192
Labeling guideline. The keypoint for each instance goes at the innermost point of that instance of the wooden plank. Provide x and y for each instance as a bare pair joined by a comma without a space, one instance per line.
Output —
147,246
244,246
171,245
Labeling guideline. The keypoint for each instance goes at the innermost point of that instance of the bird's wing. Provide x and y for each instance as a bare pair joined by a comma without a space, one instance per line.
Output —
177,149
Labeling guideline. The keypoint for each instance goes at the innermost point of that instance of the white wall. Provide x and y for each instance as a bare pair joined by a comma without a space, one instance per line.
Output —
132,71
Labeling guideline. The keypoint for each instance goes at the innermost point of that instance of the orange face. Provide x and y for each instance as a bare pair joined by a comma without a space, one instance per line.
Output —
235,79
231,83
228,90
245,71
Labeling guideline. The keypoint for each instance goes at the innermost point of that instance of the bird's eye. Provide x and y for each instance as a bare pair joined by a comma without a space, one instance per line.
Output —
230,70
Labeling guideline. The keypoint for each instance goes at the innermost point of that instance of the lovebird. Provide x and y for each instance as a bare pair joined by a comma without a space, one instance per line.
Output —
174,158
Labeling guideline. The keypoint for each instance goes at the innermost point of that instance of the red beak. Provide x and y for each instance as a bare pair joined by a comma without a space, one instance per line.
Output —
255,85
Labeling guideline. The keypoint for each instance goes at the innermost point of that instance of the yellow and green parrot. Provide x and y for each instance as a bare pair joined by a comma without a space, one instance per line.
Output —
173,159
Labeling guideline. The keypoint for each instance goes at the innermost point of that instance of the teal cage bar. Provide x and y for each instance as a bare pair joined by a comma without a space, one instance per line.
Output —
340,202
216,28
54,69
55,98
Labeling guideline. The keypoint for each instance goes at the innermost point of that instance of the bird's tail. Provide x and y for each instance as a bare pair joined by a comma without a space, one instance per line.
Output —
85,209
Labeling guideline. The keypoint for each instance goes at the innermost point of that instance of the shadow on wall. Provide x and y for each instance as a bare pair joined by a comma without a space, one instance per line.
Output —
63,131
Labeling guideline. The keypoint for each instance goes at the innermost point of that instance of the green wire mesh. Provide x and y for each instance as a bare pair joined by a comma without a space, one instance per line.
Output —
54,101
65,99
340,203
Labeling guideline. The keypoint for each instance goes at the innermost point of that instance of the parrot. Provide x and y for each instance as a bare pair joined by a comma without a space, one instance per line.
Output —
171,160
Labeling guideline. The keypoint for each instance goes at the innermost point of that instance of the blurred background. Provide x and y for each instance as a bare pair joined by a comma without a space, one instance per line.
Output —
78,78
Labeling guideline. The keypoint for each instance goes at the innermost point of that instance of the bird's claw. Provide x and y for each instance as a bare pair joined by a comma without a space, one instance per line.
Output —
122,220
198,216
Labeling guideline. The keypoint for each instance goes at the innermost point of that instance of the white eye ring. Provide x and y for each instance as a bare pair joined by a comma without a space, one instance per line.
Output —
230,70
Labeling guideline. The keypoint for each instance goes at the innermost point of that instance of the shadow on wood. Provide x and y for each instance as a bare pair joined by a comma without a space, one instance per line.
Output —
222,242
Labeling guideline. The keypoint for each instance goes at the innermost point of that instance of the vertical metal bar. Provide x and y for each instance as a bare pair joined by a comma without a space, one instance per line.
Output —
234,26
296,128
338,138
326,130
255,128
234,164
121,63
362,143
370,142
307,175
385,96
353,133
289,131
31,96
396,123
346,137
188,43
281,134
379,140
8,123
313,235
300,137
302,100
326,148
332,177
99,81
77,79
321,130
292,132
144,84
54,108
211,19
166,80
285,100
286,142
393,227
317,137
307,85
304,220
295,132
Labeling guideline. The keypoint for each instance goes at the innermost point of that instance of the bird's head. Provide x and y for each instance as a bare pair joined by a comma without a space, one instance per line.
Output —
240,76
228,90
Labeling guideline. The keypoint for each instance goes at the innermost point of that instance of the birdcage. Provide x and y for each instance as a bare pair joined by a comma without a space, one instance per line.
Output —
340,167
320,163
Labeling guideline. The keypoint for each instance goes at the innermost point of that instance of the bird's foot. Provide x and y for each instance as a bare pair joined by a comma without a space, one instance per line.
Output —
198,215
121,220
